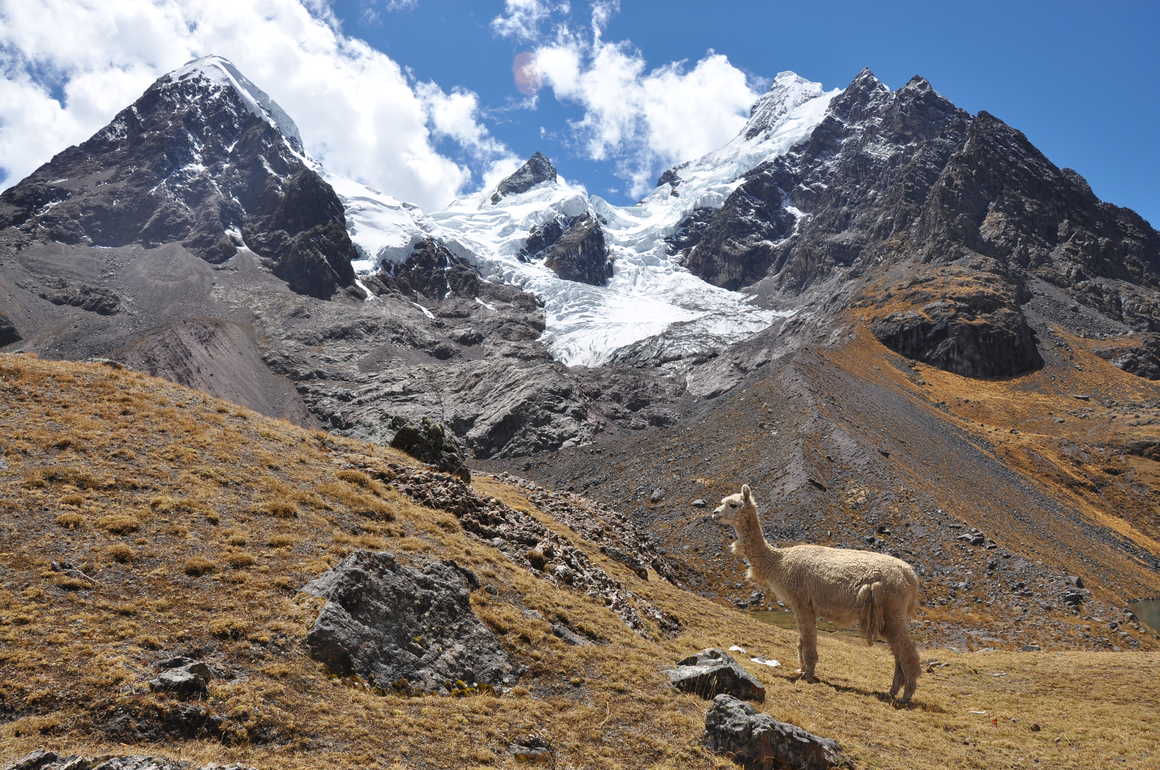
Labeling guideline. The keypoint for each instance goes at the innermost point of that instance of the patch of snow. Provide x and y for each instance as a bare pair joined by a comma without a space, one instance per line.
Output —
767,662
426,312
383,228
487,305
737,648
370,295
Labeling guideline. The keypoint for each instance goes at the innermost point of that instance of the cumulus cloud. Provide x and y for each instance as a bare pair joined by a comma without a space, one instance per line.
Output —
642,119
70,65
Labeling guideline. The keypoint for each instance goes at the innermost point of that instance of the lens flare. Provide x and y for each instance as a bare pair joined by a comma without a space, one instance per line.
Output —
525,74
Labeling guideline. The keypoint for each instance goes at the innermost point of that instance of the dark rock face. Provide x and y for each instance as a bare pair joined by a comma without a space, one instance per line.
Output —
191,162
536,170
736,246
8,332
1141,358
997,345
709,673
759,742
405,628
432,443
431,271
49,760
574,249
91,298
959,321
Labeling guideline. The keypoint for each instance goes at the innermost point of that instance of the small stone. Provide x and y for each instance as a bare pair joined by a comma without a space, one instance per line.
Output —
699,503
532,749
657,495
187,680
712,672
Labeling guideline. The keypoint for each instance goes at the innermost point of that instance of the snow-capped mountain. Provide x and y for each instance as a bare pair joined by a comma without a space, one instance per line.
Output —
193,237
204,158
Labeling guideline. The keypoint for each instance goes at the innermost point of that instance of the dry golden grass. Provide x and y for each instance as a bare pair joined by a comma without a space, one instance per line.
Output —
73,650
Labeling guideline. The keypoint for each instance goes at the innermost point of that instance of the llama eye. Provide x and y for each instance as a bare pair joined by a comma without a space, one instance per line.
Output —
732,505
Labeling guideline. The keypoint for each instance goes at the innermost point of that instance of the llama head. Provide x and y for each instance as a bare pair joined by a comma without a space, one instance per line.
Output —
733,505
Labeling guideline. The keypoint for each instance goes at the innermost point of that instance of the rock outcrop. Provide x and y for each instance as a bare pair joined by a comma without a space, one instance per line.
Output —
1140,356
431,271
573,248
8,332
432,443
405,628
759,742
711,672
50,760
536,170
966,321
581,253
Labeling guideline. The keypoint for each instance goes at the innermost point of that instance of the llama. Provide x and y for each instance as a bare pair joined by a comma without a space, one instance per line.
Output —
877,592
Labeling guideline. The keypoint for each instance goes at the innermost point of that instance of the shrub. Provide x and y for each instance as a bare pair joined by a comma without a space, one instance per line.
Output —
281,509
240,559
119,523
228,628
120,553
355,477
70,520
197,566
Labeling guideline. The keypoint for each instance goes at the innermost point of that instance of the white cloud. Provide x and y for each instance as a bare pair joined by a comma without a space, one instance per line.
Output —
644,119
70,65
523,19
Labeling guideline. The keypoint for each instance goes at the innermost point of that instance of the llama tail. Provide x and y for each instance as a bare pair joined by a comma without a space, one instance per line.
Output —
872,622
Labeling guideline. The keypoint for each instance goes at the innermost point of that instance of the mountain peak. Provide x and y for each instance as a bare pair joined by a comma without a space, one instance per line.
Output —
787,91
536,170
918,83
219,72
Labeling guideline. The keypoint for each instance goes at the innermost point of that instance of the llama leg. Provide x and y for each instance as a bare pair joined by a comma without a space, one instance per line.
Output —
807,642
905,657
896,685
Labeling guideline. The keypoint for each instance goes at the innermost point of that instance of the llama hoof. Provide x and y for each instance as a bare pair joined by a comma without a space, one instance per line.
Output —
806,676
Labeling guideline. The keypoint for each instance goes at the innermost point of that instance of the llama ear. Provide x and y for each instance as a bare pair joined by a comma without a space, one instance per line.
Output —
746,493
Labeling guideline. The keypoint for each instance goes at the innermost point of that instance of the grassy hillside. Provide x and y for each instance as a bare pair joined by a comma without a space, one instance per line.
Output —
140,520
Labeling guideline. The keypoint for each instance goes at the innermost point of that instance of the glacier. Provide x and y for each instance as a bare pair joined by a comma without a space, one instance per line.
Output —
648,292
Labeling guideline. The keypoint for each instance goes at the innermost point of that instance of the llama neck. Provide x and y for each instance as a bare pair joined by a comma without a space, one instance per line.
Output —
751,543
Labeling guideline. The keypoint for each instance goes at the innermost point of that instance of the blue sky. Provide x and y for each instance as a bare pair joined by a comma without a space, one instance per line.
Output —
417,97
1082,80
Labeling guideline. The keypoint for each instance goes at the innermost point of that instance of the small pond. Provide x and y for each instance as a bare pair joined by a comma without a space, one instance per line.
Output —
1147,610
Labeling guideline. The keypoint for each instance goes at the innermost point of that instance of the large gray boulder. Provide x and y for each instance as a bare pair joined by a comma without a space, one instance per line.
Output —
711,672
759,742
408,629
